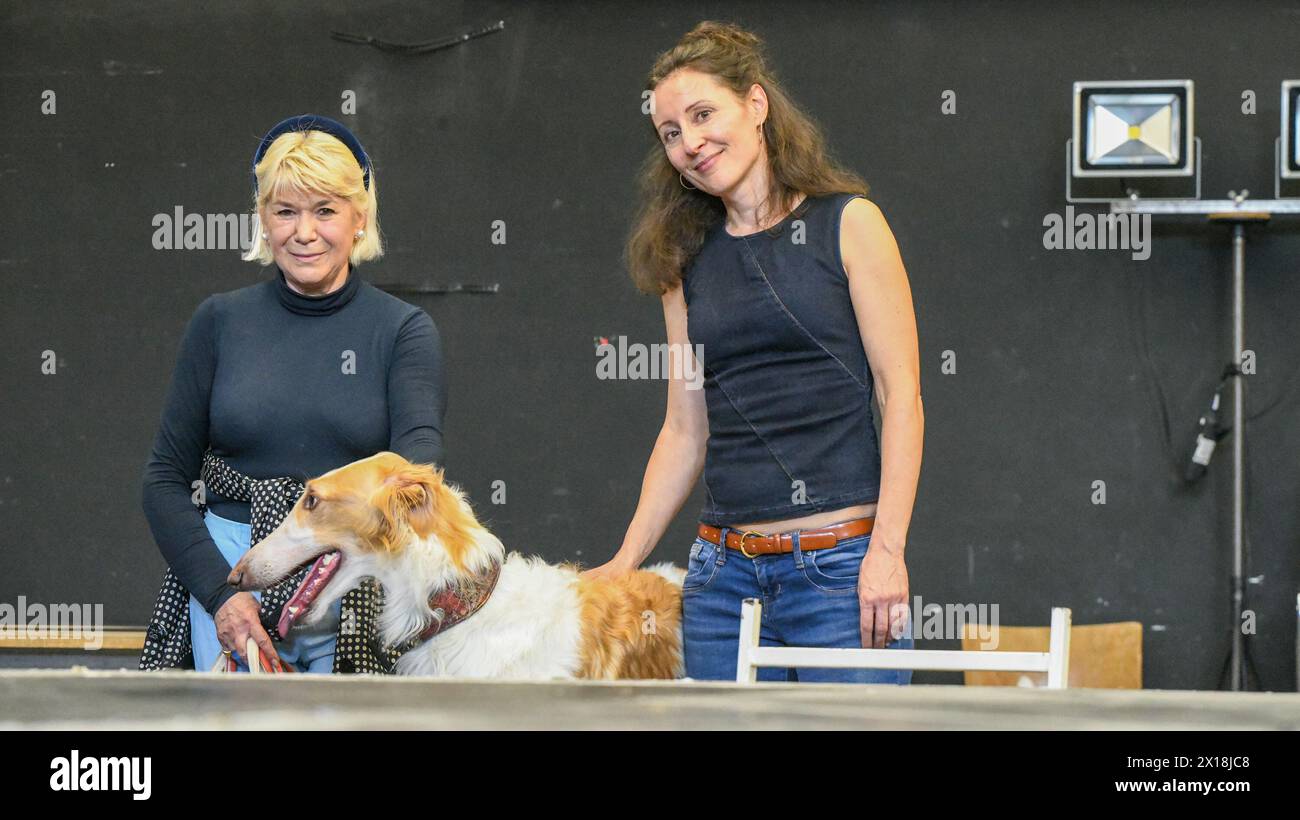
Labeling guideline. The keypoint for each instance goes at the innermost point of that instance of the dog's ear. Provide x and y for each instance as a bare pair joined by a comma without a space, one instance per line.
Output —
408,495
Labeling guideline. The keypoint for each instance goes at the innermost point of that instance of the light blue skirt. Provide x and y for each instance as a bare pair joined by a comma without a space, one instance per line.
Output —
308,649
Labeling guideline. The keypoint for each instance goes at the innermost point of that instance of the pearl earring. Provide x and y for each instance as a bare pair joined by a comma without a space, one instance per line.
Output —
361,233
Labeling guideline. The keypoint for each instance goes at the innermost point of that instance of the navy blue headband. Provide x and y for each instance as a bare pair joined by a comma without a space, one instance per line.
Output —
314,122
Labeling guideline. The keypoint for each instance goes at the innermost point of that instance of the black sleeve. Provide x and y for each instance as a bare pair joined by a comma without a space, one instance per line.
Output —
175,464
417,391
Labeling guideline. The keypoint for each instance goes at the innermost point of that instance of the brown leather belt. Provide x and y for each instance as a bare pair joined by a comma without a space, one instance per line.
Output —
751,543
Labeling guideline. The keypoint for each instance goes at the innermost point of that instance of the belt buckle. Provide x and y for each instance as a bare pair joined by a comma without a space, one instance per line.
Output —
745,535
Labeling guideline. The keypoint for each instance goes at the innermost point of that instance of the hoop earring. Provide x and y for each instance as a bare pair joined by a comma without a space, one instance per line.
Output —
682,180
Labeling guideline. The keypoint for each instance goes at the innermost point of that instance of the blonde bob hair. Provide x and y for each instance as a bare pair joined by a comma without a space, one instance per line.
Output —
315,162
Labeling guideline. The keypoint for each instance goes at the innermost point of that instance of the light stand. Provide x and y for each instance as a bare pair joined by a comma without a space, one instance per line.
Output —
1237,212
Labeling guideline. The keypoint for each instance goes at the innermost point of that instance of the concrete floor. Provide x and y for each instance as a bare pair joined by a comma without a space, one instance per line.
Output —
89,699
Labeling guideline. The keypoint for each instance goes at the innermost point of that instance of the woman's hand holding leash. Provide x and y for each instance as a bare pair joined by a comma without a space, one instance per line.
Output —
238,621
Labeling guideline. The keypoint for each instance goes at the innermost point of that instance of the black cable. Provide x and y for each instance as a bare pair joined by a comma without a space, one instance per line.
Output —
1246,551
1175,464
1174,460
399,287
1248,659
418,48
1284,393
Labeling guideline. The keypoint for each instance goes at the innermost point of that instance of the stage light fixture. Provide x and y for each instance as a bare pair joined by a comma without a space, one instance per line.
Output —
1290,130
1133,129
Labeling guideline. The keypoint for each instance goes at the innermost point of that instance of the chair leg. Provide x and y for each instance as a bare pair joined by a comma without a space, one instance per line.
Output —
751,614
1058,651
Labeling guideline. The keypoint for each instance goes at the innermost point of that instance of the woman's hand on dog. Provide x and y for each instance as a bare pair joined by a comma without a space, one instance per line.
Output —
610,570
237,620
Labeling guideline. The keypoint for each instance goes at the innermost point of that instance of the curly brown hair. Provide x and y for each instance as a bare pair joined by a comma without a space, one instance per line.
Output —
673,221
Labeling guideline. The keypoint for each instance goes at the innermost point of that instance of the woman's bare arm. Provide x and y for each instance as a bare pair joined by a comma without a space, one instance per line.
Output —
678,455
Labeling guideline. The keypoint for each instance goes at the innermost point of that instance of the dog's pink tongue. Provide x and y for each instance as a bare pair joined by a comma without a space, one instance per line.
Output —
317,577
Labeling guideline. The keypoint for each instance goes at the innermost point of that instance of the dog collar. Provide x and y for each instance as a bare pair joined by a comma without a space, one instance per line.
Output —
454,605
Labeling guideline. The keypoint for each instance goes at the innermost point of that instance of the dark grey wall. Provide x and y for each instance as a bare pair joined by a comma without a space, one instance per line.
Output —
161,105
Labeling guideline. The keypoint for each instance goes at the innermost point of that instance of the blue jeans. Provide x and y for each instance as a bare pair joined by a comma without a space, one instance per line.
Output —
309,649
810,599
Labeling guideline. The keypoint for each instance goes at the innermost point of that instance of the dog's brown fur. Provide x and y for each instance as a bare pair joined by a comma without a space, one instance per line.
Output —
631,627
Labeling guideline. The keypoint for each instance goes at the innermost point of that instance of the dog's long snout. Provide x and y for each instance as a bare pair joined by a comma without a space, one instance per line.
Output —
236,576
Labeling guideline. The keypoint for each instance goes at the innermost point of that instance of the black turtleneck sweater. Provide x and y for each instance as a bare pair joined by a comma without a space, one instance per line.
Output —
282,384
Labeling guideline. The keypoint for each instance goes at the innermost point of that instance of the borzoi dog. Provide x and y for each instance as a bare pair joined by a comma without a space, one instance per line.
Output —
456,604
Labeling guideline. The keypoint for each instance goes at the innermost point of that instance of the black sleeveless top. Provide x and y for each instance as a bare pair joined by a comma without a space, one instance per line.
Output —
786,378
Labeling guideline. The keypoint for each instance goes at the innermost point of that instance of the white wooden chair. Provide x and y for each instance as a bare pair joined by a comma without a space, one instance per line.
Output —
1055,661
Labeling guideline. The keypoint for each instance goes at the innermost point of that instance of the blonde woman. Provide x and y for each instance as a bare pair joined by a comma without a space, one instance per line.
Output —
278,382
769,257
